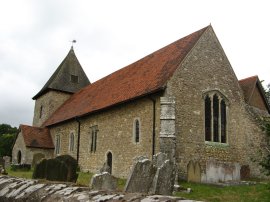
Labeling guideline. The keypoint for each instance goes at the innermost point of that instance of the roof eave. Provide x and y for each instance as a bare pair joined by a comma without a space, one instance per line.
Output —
162,88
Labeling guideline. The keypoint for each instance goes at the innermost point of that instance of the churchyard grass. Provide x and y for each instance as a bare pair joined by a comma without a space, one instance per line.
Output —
259,192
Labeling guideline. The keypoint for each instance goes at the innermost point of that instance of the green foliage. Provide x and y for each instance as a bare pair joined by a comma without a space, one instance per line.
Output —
265,163
7,129
6,142
7,137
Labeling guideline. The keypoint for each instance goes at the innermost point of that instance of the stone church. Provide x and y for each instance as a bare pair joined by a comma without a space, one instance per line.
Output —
183,99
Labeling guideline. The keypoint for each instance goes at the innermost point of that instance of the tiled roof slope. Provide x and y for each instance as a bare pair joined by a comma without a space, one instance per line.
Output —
248,85
147,75
36,137
61,81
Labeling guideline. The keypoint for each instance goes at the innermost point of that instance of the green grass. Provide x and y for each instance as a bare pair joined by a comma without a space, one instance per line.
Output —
252,193
84,179
20,173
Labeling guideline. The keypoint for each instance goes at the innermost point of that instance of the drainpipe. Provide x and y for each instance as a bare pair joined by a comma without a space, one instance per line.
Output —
78,140
154,126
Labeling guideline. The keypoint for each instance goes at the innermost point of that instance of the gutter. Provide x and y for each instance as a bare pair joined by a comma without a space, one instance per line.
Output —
79,137
154,127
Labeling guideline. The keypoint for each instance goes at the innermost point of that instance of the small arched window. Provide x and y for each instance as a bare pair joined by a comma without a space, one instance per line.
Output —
57,144
215,117
137,130
71,142
19,157
40,111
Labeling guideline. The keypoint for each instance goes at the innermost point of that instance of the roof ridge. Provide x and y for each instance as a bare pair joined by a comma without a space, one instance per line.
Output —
144,76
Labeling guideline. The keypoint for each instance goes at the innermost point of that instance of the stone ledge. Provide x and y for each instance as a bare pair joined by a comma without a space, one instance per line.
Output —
18,189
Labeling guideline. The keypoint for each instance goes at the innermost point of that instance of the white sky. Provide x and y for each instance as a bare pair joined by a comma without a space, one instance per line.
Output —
35,37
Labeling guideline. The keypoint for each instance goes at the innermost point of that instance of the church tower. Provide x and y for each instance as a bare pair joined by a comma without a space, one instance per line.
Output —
68,78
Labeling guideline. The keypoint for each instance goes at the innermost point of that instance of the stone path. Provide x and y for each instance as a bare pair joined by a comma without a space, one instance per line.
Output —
18,189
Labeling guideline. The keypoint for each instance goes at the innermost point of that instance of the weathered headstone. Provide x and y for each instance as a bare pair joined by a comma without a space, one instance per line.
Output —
7,161
62,168
163,182
103,181
141,176
2,162
37,158
105,168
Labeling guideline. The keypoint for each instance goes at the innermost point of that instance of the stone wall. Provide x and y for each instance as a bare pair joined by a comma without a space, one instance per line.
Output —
18,190
206,68
50,101
115,135
27,153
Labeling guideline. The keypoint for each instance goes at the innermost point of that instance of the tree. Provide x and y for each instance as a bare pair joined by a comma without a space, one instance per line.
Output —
7,129
267,93
7,138
6,142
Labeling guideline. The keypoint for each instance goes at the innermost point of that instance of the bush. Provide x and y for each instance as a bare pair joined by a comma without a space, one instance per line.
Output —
20,167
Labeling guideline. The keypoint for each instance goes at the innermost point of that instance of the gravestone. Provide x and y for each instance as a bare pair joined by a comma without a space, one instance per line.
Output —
105,168
103,181
2,162
61,168
141,177
155,177
7,161
194,171
163,182
37,158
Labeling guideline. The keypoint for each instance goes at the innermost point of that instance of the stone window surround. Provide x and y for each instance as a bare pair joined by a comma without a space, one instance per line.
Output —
221,96
71,148
93,138
57,145
134,131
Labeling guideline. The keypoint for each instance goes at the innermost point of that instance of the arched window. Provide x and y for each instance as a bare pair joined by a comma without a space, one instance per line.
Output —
109,161
215,117
136,130
19,157
71,142
40,111
57,144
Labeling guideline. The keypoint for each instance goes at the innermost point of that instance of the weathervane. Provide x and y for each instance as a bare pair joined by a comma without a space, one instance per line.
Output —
72,42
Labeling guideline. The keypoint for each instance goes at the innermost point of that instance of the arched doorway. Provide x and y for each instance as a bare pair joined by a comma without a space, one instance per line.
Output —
19,157
109,161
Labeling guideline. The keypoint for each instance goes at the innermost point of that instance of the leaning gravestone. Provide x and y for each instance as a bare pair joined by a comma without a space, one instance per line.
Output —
155,177
141,176
163,182
103,181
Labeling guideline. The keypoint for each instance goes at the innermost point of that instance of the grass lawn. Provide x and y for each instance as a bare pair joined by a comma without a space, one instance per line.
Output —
202,192
258,192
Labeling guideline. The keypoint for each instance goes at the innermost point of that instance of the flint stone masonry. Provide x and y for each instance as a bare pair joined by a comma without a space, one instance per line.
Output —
103,181
22,190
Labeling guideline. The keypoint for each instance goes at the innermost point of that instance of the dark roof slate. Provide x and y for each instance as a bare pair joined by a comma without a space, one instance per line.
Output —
61,78
146,76
36,137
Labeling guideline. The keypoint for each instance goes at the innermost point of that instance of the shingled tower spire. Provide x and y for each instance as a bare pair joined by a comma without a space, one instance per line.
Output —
67,79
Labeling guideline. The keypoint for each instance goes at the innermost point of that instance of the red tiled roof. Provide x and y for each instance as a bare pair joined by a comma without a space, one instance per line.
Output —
247,85
147,75
36,137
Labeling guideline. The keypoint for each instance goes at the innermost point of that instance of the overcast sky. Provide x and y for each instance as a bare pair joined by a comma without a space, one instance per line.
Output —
35,37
